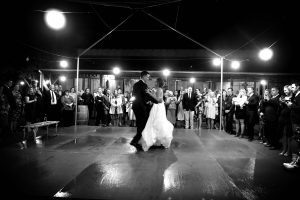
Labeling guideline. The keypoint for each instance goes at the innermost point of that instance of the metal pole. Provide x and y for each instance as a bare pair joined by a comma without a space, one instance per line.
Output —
221,98
76,101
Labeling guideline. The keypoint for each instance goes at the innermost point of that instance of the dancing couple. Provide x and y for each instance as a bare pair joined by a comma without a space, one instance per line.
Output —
153,128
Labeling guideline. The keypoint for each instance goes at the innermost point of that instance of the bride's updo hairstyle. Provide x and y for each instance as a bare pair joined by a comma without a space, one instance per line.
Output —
160,82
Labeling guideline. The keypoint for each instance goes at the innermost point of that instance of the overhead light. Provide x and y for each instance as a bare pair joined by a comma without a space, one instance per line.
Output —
116,70
62,78
265,54
55,19
63,63
192,80
216,61
263,82
166,72
235,64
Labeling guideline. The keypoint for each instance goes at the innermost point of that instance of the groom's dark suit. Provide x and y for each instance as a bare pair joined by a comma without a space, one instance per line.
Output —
140,108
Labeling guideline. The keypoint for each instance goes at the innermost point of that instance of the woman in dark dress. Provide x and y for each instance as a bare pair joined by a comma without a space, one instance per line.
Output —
240,112
265,98
30,106
285,124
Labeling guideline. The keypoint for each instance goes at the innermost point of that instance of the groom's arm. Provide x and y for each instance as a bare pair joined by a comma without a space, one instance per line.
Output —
150,97
154,98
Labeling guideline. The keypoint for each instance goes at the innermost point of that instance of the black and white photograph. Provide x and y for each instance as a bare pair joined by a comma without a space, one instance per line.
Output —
150,100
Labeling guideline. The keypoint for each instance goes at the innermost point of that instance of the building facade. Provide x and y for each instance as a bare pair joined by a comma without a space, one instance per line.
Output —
93,79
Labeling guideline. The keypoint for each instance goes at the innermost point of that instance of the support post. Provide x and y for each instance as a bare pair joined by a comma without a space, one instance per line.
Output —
221,97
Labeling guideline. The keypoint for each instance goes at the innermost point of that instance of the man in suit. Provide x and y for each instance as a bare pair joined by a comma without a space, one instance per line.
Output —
295,118
229,110
51,104
189,102
141,106
251,112
270,109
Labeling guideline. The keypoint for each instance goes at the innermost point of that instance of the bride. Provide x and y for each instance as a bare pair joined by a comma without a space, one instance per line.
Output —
158,130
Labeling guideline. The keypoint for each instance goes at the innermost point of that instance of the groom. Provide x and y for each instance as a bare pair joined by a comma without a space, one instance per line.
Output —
141,106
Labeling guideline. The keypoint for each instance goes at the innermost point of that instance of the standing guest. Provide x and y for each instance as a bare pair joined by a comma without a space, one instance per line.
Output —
200,109
166,95
251,112
106,107
205,91
171,104
73,94
88,100
295,119
67,109
240,112
5,90
186,90
30,106
56,88
130,111
99,106
51,104
116,108
284,120
262,133
219,112
122,96
205,96
271,112
180,112
79,94
16,109
197,92
189,102
109,95
125,110
39,102
229,111
60,90
211,106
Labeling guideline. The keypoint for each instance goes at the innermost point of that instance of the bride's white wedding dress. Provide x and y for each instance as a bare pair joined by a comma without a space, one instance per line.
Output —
158,130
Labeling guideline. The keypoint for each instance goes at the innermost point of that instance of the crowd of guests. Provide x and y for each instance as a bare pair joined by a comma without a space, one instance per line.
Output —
27,104
277,115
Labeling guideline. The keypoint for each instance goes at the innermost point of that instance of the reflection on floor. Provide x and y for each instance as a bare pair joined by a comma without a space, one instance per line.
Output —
99,163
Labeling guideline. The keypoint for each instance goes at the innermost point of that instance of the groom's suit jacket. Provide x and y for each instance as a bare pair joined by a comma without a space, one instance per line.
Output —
141,97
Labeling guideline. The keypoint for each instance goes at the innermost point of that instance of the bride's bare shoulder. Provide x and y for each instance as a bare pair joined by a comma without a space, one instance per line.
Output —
159,89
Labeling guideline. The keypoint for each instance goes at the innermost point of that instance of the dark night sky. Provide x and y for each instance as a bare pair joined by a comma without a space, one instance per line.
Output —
218,24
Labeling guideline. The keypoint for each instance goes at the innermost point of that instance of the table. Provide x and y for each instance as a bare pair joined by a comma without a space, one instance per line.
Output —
35,127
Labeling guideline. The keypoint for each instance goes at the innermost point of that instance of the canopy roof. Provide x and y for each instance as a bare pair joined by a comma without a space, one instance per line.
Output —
232,26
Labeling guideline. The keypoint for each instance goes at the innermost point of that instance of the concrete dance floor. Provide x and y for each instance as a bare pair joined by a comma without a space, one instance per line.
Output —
201,164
